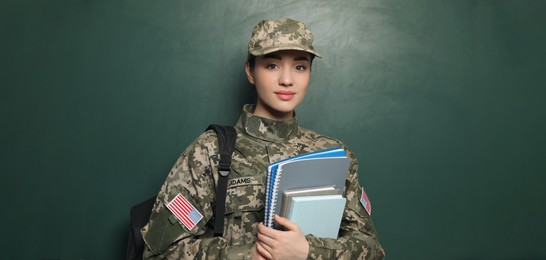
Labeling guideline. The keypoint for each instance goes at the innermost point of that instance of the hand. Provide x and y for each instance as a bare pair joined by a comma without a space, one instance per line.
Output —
276,244
255,255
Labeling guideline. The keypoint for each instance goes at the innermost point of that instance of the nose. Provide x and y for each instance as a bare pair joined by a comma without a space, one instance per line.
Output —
286,78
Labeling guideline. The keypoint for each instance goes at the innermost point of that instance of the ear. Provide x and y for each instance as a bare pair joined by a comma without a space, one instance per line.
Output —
249,73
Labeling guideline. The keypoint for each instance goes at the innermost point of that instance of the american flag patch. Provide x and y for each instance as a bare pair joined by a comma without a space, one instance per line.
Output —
365,202
184,211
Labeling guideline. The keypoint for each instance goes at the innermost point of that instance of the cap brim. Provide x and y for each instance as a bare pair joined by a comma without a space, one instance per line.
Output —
283,48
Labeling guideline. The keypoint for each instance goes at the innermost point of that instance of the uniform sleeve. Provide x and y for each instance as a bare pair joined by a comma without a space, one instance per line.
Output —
193,177
357,236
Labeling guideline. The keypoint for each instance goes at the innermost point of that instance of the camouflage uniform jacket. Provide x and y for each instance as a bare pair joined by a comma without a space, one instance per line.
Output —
260,141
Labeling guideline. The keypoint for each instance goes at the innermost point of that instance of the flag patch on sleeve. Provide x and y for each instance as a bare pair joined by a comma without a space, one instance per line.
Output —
366,202
184,211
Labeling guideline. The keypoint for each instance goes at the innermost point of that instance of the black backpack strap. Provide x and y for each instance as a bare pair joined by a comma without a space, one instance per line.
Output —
226,142
140,215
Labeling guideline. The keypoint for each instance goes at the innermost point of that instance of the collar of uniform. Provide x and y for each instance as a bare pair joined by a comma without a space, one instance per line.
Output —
265,128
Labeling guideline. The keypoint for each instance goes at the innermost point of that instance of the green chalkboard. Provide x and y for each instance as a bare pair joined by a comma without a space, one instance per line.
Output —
442,101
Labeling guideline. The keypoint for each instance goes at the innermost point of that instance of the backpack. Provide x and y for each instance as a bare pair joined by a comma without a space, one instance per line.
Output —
140,213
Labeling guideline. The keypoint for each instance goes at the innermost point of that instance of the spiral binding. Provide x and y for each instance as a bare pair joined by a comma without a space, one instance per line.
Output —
274,198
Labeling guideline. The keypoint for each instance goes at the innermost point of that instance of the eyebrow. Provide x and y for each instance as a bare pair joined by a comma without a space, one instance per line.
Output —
277,57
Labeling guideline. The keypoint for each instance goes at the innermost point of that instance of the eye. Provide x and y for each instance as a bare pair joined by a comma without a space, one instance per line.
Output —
301,68
271,66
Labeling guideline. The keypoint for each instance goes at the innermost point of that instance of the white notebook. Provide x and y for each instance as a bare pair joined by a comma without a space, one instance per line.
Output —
287,195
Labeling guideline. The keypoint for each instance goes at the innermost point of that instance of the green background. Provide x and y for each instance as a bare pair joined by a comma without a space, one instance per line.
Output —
442,101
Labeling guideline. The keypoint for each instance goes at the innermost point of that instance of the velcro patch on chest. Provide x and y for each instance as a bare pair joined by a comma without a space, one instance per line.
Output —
241,181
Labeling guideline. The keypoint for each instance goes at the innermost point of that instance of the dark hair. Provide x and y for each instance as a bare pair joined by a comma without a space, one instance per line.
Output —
251,59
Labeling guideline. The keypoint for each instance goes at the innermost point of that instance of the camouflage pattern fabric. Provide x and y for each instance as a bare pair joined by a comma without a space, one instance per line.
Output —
260,142
281,34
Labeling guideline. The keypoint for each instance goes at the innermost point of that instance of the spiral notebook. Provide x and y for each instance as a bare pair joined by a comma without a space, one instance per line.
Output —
320,168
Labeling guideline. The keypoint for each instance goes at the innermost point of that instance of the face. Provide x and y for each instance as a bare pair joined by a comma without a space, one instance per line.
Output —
281,79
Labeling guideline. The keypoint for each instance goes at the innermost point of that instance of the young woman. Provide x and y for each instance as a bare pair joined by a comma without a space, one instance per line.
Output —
279,65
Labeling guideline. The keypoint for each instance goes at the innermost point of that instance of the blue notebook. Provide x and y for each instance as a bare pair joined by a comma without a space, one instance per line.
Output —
317,215
321,168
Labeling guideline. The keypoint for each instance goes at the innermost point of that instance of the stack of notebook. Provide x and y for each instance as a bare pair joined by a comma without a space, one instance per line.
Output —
307,189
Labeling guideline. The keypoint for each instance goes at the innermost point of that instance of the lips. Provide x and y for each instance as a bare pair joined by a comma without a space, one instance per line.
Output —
285,95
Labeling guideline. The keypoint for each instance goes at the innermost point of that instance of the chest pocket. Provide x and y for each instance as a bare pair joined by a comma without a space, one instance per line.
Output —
244,208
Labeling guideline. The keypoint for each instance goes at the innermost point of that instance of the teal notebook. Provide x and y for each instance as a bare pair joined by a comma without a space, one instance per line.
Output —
317,215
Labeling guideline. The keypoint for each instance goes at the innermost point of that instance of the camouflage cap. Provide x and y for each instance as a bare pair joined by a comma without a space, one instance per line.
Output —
281,34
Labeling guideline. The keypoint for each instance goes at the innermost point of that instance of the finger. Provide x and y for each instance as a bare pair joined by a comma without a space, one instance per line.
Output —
266,231
266,241
255,255
289,225
263,250
267,247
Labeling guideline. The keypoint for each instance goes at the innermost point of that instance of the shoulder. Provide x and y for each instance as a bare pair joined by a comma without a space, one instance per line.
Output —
317,137
204,145
323,140
206,138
